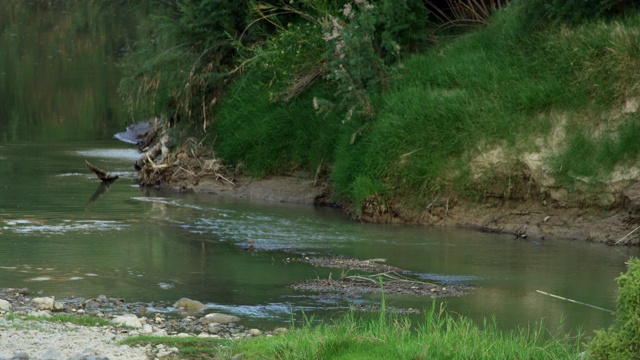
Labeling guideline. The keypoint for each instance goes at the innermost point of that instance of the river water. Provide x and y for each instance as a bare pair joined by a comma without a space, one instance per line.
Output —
64,234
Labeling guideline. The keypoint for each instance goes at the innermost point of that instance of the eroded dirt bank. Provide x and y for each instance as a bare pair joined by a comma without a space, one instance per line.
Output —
529,218
194,168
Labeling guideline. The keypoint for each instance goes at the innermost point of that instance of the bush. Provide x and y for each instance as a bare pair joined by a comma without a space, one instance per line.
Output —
539,13
622,340
183,59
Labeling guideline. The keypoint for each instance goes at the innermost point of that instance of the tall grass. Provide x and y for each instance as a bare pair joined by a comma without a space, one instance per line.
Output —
498,85
273,137
385,336
492,87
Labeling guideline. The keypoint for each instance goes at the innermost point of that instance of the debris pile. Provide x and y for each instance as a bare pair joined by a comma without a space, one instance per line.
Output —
180,168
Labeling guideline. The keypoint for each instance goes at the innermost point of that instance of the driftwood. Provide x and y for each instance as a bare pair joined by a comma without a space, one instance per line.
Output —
101,174
573,301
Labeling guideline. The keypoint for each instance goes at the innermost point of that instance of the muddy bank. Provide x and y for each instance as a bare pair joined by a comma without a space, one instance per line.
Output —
383,278
192,167
527,219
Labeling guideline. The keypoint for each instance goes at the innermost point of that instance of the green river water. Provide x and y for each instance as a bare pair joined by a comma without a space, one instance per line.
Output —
62,235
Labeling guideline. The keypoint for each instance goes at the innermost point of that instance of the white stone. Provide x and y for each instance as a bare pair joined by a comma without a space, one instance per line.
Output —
58,305
279,331
128,320
43,303
5,305
40,313
161,332
189,305
167,352
219,318
255,332
146,329
182,335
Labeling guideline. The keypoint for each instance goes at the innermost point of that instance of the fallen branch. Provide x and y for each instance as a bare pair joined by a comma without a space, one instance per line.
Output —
624,237
574,301
390,276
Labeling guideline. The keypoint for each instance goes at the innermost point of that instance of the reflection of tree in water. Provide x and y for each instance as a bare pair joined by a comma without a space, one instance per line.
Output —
59,76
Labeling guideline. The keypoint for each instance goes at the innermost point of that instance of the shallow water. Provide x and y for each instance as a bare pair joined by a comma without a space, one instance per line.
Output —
149,246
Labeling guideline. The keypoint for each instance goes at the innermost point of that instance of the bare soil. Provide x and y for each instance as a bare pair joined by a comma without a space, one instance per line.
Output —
526,218
194,168
353,285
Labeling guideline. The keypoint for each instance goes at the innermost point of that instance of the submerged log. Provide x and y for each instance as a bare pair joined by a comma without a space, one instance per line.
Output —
101,174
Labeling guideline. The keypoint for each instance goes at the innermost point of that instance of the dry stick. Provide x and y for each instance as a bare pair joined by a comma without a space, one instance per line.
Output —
632,231
574,301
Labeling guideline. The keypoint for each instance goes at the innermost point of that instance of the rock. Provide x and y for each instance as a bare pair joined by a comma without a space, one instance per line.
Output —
53,354
40,313
219,318
279,331
5,305
58,306
146,329
20,356
130,320
163,353
88,354
237,357
43,303
214,328
254,332
189,305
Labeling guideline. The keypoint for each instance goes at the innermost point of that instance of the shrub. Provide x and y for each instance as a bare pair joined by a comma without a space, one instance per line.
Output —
622,339
539,13
183,59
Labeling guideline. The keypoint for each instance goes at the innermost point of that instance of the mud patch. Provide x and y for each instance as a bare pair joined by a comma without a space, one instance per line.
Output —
354,287
390,279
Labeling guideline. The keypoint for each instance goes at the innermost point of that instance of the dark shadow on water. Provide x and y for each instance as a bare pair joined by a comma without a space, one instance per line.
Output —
100,190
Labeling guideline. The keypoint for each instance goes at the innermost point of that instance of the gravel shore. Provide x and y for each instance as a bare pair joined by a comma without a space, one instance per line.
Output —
59,341
24,338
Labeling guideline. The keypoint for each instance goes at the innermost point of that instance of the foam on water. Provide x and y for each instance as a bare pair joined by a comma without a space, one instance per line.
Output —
125,154
28,227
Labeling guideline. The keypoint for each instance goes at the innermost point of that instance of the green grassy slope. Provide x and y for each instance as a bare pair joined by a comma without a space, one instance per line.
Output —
554,95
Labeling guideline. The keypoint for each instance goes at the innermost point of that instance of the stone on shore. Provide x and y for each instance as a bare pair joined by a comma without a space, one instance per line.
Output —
219,318
43,303
129,320
5,305
189,305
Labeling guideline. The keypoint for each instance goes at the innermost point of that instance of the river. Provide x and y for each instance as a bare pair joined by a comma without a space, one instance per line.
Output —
63,234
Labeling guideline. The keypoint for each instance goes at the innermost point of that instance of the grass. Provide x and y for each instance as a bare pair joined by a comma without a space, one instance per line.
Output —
83,320
499,85
385,336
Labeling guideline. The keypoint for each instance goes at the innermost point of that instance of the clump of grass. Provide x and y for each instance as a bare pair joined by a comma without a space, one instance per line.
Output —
273,137
491,87
83,320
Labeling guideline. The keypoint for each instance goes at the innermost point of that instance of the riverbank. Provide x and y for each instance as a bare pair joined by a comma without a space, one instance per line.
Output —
530,219
390,336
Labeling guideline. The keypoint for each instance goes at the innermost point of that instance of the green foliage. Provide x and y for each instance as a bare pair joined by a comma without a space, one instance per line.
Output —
386,336
184,58
539,13
622,340
363,42
273,137
497,86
